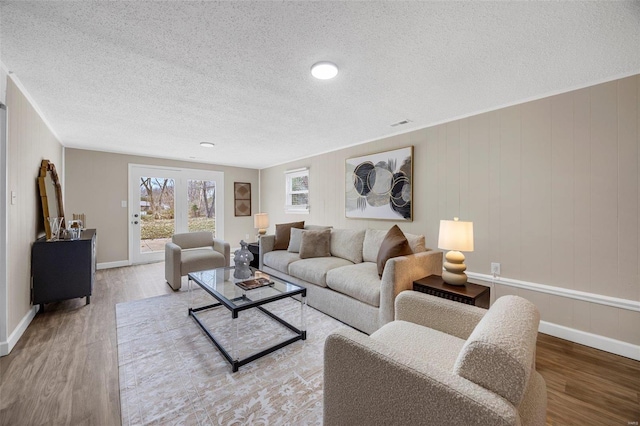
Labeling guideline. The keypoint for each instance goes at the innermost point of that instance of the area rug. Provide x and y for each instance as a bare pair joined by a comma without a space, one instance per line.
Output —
171,373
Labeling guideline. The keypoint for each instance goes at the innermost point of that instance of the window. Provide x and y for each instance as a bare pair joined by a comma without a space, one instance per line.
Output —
297,191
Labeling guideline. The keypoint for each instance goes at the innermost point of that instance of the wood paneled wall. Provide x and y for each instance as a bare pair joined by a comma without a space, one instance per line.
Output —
29,142
551,185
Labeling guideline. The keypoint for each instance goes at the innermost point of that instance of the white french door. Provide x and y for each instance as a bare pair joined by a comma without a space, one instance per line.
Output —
164,201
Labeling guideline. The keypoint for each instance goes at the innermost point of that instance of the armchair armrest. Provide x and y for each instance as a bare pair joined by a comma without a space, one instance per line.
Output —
368,382
439,314
399,275
266,245
172,273
224,248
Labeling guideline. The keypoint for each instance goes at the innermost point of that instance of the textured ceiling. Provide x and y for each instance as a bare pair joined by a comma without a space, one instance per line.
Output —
156,78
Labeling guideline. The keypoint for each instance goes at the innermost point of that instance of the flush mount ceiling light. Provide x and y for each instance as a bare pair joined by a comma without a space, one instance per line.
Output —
207,144
324,70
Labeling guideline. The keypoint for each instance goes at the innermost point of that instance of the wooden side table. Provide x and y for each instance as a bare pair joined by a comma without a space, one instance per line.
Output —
254,248
470,293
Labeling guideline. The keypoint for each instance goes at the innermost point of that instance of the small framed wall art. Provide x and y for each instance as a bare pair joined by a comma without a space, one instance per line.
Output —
380,186
242,198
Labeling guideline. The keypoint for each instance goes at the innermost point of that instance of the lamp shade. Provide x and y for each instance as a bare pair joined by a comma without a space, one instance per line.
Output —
261,220
455,235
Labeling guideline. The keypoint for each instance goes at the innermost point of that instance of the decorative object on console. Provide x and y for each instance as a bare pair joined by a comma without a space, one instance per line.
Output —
261,223
455,236
242,258
74,228
242,198
54,227
74,233
394,244
80,219
379,186
283,234
50,195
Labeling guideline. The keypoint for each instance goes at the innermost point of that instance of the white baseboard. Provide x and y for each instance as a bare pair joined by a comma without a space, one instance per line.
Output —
603,343
6,347
108,265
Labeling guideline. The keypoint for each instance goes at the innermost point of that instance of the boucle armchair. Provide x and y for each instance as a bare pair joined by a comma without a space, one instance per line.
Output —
192,252
438,363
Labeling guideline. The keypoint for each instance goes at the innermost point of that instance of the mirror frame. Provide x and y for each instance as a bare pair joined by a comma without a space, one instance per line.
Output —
47,167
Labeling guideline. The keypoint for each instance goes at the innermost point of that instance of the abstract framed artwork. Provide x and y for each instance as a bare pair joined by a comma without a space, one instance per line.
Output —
242,198
380,186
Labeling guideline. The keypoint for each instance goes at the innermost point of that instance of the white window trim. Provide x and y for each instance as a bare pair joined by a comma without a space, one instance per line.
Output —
289,175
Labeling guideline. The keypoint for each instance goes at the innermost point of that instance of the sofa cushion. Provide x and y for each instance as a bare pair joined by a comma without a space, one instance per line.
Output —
500,352
347,244
200,259
360,281
315,270
438,348
294,240
280,260
283,234
373,238
315,244
394,244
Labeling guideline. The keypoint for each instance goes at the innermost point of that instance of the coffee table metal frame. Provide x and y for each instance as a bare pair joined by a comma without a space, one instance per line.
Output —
230,304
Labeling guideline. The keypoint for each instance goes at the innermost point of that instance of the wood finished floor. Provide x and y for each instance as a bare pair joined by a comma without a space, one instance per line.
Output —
64,369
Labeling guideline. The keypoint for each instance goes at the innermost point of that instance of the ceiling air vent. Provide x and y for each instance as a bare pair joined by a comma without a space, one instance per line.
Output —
400,123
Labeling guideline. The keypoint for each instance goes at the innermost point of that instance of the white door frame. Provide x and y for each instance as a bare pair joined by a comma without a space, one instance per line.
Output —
4,214
181,175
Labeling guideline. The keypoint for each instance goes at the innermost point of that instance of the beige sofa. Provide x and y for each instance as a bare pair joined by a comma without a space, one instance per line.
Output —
192,252
346,285
439,363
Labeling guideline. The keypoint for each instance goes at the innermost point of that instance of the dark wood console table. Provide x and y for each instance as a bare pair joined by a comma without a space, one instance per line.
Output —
63,269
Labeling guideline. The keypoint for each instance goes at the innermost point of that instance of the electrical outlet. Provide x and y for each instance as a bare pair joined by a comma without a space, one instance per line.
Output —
495,269
246,237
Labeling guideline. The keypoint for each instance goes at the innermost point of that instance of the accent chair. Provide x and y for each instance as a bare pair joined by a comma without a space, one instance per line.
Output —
192,252
439,362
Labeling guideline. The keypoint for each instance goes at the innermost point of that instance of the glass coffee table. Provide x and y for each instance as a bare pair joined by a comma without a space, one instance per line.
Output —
223,287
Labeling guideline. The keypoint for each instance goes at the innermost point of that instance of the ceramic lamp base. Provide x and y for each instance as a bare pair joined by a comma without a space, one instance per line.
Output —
454,269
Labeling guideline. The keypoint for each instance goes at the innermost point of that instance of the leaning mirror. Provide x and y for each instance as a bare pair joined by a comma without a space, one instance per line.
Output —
50,195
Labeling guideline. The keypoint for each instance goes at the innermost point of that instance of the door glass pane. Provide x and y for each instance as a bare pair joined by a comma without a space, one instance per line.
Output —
202,205
157,223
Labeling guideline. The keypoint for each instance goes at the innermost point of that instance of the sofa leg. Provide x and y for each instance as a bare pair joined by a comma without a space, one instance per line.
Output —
172,287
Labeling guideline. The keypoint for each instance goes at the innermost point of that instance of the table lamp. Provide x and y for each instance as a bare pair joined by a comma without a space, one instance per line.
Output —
261,222
455,236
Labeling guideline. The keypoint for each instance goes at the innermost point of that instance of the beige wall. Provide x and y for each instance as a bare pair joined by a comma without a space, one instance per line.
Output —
552,187
29,142
96,184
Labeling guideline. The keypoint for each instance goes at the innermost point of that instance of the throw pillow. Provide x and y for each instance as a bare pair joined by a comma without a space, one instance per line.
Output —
347,244
315,244
394,244
295,240
283,234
